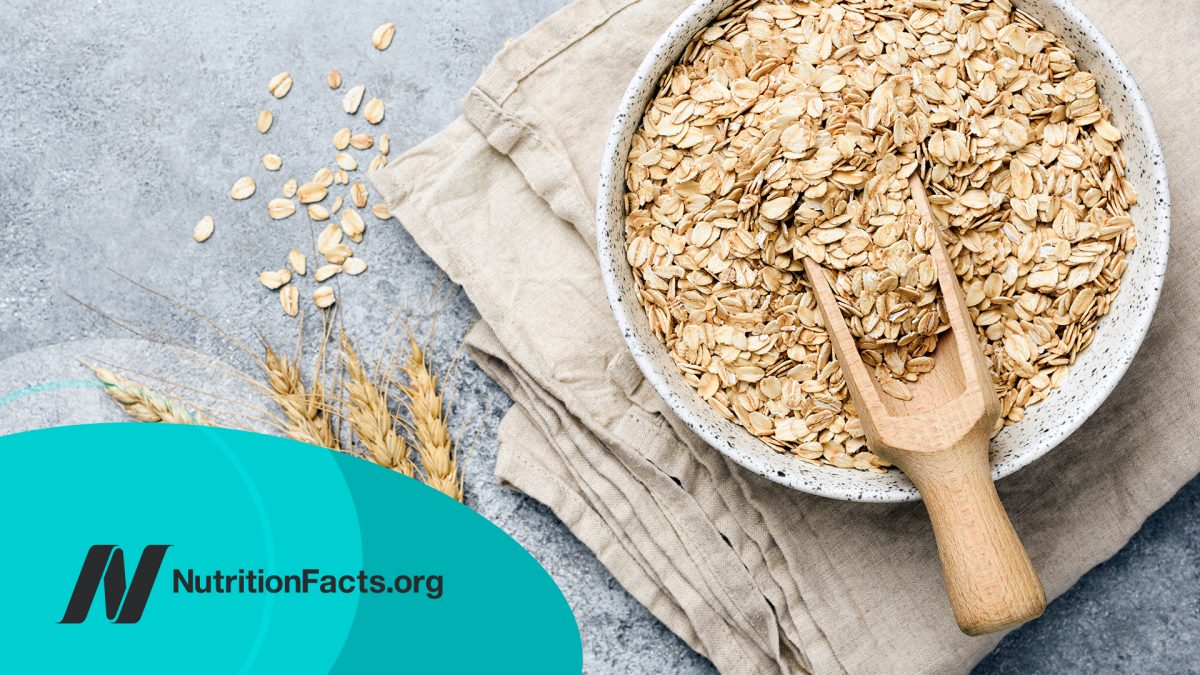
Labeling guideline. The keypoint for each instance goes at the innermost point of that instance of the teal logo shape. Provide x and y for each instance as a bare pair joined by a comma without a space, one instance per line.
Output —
282,557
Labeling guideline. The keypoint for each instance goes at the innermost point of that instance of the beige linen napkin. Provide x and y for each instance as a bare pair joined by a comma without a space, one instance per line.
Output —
756,577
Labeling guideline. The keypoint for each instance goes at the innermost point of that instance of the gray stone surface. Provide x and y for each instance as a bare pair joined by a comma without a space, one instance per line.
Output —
122,123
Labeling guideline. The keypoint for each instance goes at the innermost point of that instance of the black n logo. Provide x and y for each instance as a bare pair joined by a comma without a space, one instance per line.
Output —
107,562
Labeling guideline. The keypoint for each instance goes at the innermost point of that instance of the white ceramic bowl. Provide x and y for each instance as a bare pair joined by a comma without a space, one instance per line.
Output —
1045,425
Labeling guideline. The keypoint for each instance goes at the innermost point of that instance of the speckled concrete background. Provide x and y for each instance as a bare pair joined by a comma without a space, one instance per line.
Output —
122,123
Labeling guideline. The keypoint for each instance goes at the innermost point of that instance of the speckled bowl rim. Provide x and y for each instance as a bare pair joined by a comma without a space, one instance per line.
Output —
611,254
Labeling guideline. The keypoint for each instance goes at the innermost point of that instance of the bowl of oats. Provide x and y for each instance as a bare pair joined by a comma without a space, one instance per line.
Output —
759,133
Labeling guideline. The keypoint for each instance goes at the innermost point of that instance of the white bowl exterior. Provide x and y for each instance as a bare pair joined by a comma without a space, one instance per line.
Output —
1091,378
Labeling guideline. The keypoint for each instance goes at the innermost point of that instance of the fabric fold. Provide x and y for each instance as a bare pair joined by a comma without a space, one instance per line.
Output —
754,576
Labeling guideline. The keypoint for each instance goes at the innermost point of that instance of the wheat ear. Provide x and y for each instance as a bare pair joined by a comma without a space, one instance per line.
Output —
369,416
142,403
434,444
305,417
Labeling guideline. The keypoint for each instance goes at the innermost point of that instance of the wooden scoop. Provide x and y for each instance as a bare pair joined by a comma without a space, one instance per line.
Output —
940,439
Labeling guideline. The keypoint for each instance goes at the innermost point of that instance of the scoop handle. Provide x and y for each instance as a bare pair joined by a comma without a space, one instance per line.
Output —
990,580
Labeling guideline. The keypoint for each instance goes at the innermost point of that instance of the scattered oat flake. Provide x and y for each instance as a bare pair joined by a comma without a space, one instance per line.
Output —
280,208
311,192
373,111
280,85
333,78
203,229
975,199
289,299
323,177
361,142
378,162
323,297
354,266
385,144
382,36
833,84
274,279
265,118
317,212
353,99
272,162
289,188
345,161
331,235
353,225
243,188
777,208
298,262
341,139
896,389
381,211
326,271
358,194
1107,131
337,253
337,204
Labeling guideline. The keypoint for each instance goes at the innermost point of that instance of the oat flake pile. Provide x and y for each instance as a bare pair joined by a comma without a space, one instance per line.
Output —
789,129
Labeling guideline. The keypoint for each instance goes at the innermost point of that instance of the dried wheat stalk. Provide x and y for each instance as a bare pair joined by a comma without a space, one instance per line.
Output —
142,403
369,416
306,415
434,444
